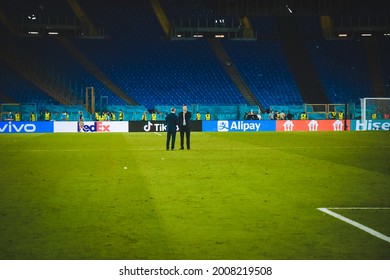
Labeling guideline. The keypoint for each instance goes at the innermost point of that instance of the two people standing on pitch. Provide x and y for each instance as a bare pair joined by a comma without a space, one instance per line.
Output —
184,122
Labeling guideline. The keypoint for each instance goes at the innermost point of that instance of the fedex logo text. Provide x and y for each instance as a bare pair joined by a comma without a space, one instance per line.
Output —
95,127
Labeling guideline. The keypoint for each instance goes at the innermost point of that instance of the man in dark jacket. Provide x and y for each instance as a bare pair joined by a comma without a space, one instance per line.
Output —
185,127
171,122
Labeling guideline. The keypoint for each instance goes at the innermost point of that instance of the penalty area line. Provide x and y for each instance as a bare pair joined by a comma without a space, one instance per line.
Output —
355,224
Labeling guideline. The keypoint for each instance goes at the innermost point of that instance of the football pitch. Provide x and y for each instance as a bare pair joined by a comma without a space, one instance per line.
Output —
241,196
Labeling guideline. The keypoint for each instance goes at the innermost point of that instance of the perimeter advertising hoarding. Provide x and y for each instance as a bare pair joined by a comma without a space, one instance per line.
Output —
89,127
312,125
26,127
158,126
237,125
358,125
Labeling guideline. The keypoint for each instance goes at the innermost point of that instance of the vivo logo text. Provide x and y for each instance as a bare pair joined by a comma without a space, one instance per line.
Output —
18,128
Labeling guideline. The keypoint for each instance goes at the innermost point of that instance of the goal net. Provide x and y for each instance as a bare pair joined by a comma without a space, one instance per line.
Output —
375,108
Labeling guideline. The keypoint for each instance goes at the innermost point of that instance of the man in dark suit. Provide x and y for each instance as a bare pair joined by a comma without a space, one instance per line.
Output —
185,127
171,122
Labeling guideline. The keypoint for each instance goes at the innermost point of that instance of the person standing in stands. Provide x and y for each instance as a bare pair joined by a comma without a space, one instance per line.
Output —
185,127
144,116
63,116
154,116
47,116
17,117
81,121
171,123
208,116
198,117
10,117
121,115
282,115
32,117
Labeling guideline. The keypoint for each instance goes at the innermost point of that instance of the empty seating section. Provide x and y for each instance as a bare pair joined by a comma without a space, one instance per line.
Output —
158,71
263,67
342,67
18,89
54,66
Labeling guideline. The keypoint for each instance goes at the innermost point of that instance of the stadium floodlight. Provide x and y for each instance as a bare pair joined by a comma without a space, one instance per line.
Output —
343,35
366,34
32,17
378,106
289,9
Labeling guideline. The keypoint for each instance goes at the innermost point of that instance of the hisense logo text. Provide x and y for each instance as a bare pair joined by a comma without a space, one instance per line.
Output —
372,125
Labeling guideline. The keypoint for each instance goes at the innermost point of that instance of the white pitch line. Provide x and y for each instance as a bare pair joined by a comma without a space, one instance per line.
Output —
159,134
199,148
359,208
356,224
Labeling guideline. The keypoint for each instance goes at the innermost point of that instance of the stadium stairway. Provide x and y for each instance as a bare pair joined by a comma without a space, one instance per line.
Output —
95,71
265,71
14,59
81,15
7,23
161,16
234,75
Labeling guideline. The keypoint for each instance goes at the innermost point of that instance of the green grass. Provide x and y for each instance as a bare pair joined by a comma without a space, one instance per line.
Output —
233,196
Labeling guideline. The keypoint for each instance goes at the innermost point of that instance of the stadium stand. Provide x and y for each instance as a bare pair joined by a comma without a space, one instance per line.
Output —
343,69
265,70
137,56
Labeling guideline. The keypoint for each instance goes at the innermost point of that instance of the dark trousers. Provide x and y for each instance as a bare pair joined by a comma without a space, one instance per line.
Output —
171,135
187,131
